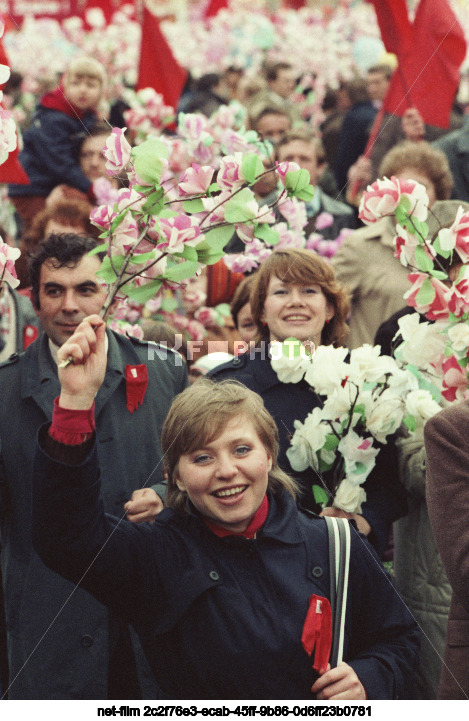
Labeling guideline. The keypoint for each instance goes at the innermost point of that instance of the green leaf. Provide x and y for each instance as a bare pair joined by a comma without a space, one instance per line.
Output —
439,274
306,194
324,466
143,293
402,212
331,442
419,227
169,303
154,202
213,188
424,263
251,167
194,205
237,210
107,272
210,257
224,309
189,253
138,259
320,495
167,213
359,408
216,238
99,249
426,385
426,293
410,423
117,221
297,180
267,234
149,160
181,271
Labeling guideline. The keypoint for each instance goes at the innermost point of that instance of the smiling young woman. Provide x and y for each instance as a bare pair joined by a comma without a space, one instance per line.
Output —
295,294
219,584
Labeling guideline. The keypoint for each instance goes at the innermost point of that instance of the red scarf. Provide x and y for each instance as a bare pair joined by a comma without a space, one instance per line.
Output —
257,522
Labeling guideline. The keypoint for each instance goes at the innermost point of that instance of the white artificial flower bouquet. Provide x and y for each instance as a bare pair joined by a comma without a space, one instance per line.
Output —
363,398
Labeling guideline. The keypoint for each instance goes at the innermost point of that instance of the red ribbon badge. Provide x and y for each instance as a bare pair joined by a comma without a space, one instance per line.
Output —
317,632
136,381
30,333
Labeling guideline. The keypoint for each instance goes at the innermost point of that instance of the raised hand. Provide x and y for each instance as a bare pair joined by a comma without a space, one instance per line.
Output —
81,379
144,506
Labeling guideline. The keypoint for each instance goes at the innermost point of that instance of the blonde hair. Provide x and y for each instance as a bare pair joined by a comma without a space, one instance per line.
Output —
86,66
295,265
198,415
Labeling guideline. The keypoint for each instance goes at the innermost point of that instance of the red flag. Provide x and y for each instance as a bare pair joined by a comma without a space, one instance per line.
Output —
428,72
11,170
214,6
394,24
158,68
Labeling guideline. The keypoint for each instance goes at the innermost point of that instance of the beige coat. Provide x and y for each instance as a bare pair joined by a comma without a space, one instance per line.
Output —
376,279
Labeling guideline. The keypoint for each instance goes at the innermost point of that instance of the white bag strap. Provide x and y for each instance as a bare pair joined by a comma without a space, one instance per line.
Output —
339,561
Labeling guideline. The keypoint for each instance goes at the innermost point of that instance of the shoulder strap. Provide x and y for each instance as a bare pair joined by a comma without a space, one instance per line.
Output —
339,562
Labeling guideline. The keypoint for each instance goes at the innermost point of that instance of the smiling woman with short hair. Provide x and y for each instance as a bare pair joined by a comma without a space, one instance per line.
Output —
218,586
295,294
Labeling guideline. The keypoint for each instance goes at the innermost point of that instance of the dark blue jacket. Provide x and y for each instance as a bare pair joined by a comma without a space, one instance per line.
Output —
287,402
221,618
50,152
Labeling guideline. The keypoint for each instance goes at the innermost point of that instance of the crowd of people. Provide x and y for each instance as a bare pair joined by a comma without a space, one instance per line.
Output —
156,540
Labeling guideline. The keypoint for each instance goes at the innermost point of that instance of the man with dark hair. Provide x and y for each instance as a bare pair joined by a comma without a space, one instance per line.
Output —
62,644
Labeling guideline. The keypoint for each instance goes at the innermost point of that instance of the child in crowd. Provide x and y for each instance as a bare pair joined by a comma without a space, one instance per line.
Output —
50,153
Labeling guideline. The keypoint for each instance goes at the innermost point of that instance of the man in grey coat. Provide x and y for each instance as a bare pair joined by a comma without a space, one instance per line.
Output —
62,644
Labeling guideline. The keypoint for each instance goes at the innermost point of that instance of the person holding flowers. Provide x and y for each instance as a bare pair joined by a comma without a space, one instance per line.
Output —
218,587
432,342
295,295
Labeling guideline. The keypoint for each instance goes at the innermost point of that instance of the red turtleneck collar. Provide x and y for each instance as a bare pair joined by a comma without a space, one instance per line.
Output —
256,523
